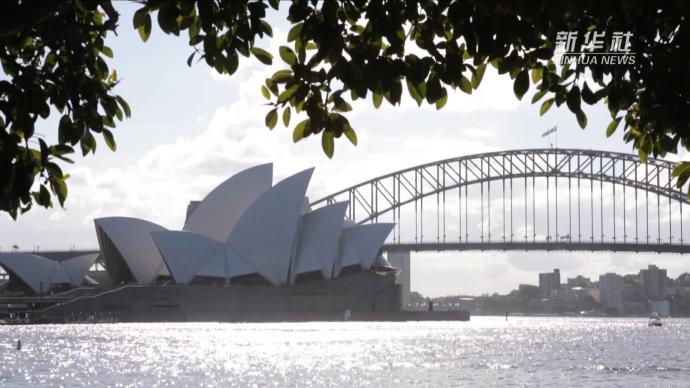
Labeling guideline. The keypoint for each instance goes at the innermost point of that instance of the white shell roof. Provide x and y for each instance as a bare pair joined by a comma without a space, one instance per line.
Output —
225,264
217,214
75,268
319,238
245,226
265,234
383,261
360,244
132,237
36,271
185,252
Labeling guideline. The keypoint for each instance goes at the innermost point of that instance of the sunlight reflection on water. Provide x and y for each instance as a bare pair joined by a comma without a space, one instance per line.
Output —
567,351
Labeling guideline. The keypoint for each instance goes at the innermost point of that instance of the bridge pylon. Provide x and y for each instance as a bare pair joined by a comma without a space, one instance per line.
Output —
401,259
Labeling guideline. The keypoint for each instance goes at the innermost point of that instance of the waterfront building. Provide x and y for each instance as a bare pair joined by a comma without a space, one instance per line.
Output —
262,242
594,293
653,281
659,307
244,227
579,281
611,292
550,282
632,289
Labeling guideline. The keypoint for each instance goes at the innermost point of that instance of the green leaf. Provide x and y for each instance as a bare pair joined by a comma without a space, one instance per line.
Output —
286,116
265,92
612,127
60,189
546,105
262,55
281,76
521,84
298,132
465,85
378,99
441,102
682,174
107,51
478,76
64,129
587,95
124,105
680,169
350,135
537,74
434,91
267,27
43,197
194,28
294,32
139,17
190,59
287,55
144,28
109,140
581,119
272,118
87,143
118,113
538,95
643,154
328,143
341,105
167,17
573,99
61,149
288,93
414,93
233,63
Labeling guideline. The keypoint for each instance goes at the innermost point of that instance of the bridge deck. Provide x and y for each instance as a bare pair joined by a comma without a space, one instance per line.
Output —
538,246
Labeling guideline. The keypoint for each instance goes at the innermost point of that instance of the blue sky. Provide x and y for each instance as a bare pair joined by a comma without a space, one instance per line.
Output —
191,128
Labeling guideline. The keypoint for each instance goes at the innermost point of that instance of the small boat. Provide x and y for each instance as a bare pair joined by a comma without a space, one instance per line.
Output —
654,320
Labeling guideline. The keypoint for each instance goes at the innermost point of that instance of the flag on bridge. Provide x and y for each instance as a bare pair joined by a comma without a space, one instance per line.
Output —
549,131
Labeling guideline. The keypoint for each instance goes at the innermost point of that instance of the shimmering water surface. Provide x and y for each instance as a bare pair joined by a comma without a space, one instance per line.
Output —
485,351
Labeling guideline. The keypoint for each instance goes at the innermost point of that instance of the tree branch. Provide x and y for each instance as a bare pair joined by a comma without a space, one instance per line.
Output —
17,18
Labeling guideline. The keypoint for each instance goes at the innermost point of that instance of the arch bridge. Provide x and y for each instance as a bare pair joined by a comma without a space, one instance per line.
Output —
533,199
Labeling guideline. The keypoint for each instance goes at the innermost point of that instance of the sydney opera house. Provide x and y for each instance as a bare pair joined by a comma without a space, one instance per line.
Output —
250,250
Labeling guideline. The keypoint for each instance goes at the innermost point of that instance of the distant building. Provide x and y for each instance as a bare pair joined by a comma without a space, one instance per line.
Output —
632,291
653,281
549,281
579,281
660,307
593,292
611,292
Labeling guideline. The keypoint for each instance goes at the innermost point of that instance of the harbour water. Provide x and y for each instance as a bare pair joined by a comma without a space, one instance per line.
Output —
485,351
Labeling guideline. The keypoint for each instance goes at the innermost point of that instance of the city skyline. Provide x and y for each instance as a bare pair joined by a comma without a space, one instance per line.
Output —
574,277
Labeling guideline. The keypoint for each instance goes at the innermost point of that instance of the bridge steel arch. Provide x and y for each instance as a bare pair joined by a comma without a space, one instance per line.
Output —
386,194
